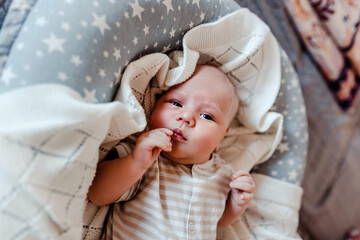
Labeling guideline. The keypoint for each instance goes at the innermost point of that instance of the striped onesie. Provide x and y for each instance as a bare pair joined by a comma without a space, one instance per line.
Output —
173,201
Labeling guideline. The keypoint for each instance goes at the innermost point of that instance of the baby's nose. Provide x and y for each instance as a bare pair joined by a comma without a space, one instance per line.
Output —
187,118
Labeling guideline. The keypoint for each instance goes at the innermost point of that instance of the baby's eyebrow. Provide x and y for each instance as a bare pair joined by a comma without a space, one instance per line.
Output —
213,107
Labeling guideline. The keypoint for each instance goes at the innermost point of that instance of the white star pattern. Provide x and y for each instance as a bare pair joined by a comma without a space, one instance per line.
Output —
137,10
8,74
166,48
102,73
202,16
146,30
283,147
197,2
83,23
90,95
168,6
106,54
41,21
172,33
54,43
62,76
135,41
100,22
291,162
75,59
88,79
20,46
294,82
116,53
66,26
39,53
292,175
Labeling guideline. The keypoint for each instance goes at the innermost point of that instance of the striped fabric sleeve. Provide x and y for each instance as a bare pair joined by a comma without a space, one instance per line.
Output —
123,149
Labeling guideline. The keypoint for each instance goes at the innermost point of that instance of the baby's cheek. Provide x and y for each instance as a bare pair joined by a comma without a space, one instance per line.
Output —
208,144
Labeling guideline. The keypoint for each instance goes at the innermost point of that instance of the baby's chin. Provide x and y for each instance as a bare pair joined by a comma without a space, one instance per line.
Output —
177,159
181,159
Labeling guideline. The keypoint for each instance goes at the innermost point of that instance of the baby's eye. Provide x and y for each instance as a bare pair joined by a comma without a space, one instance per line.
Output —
175,103
207,116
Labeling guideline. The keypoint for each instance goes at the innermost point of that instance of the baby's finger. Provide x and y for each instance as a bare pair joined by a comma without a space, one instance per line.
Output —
244,186
164,143
159,139
167,131
238,174
242,198
247,179
247,197
160,133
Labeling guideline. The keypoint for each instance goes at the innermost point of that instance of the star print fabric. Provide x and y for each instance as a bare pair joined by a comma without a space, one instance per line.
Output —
87,45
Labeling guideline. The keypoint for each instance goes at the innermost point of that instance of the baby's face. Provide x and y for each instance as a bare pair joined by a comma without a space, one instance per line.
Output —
198,112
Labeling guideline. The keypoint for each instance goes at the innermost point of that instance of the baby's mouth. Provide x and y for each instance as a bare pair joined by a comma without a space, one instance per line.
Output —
178,135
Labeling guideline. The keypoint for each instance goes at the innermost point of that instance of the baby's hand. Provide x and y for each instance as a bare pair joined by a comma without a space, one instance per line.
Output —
243,187
150,144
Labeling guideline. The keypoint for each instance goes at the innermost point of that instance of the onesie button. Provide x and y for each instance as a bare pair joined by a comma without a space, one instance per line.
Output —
191,226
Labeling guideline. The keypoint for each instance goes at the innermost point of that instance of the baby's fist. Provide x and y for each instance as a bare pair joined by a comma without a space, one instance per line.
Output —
242,187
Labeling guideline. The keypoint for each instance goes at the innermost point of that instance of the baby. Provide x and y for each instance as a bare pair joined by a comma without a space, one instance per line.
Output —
172,186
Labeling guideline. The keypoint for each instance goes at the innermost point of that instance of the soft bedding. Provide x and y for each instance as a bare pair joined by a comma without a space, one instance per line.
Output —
49,146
